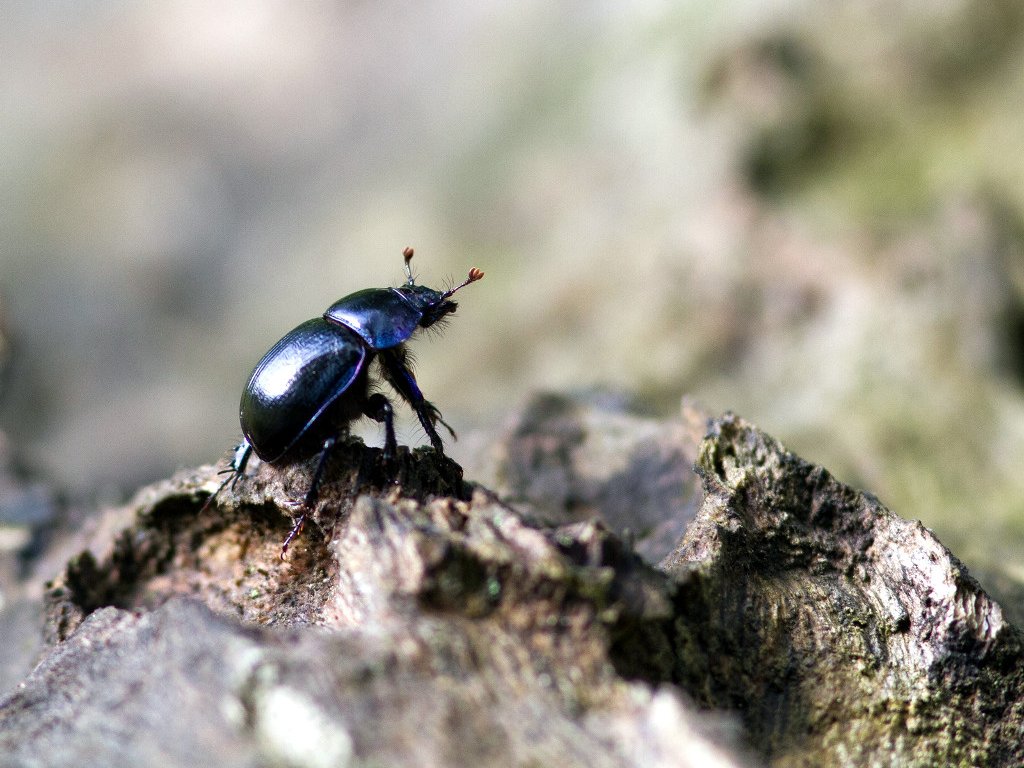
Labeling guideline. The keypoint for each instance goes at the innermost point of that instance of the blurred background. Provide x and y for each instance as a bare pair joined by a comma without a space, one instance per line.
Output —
811,214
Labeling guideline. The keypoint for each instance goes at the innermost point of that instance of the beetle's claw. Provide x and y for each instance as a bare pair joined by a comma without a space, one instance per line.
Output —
447,426
435,418
295,531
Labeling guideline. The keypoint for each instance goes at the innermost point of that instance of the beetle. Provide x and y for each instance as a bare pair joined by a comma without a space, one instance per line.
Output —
306,390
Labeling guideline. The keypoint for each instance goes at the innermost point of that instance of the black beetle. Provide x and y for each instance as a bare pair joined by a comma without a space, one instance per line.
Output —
305,391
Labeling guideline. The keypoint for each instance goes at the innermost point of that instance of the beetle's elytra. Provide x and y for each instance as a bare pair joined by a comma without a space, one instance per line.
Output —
307,389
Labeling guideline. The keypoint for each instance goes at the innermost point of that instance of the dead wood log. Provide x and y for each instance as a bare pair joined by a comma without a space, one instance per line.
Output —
430,621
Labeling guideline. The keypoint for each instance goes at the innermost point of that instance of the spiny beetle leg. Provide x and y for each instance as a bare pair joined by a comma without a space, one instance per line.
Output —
400,377
311,495
300,521
435,416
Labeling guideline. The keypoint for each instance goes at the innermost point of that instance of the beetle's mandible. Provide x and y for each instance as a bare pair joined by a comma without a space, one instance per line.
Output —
304,392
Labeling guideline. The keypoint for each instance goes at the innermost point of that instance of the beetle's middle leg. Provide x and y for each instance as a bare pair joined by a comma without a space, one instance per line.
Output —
379,408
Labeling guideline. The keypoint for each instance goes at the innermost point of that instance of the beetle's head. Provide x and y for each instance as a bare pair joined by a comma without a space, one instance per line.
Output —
434,305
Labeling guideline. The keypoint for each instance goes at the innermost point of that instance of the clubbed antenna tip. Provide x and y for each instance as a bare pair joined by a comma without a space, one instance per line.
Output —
474,275
407,253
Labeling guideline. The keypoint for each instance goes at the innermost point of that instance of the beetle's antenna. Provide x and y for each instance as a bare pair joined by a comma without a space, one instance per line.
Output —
474,275
407,253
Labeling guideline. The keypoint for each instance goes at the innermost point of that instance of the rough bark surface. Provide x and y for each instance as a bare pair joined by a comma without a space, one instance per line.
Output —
843,634
424,620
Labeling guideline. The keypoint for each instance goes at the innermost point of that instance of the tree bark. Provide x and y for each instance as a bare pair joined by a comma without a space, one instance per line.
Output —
601,607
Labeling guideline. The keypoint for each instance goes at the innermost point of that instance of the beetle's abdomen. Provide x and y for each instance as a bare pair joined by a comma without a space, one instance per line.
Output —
297,382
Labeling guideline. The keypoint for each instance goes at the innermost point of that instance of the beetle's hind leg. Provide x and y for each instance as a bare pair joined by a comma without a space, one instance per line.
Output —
310,499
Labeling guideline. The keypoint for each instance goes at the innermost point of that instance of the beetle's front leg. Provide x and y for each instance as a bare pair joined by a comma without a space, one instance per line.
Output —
399,376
